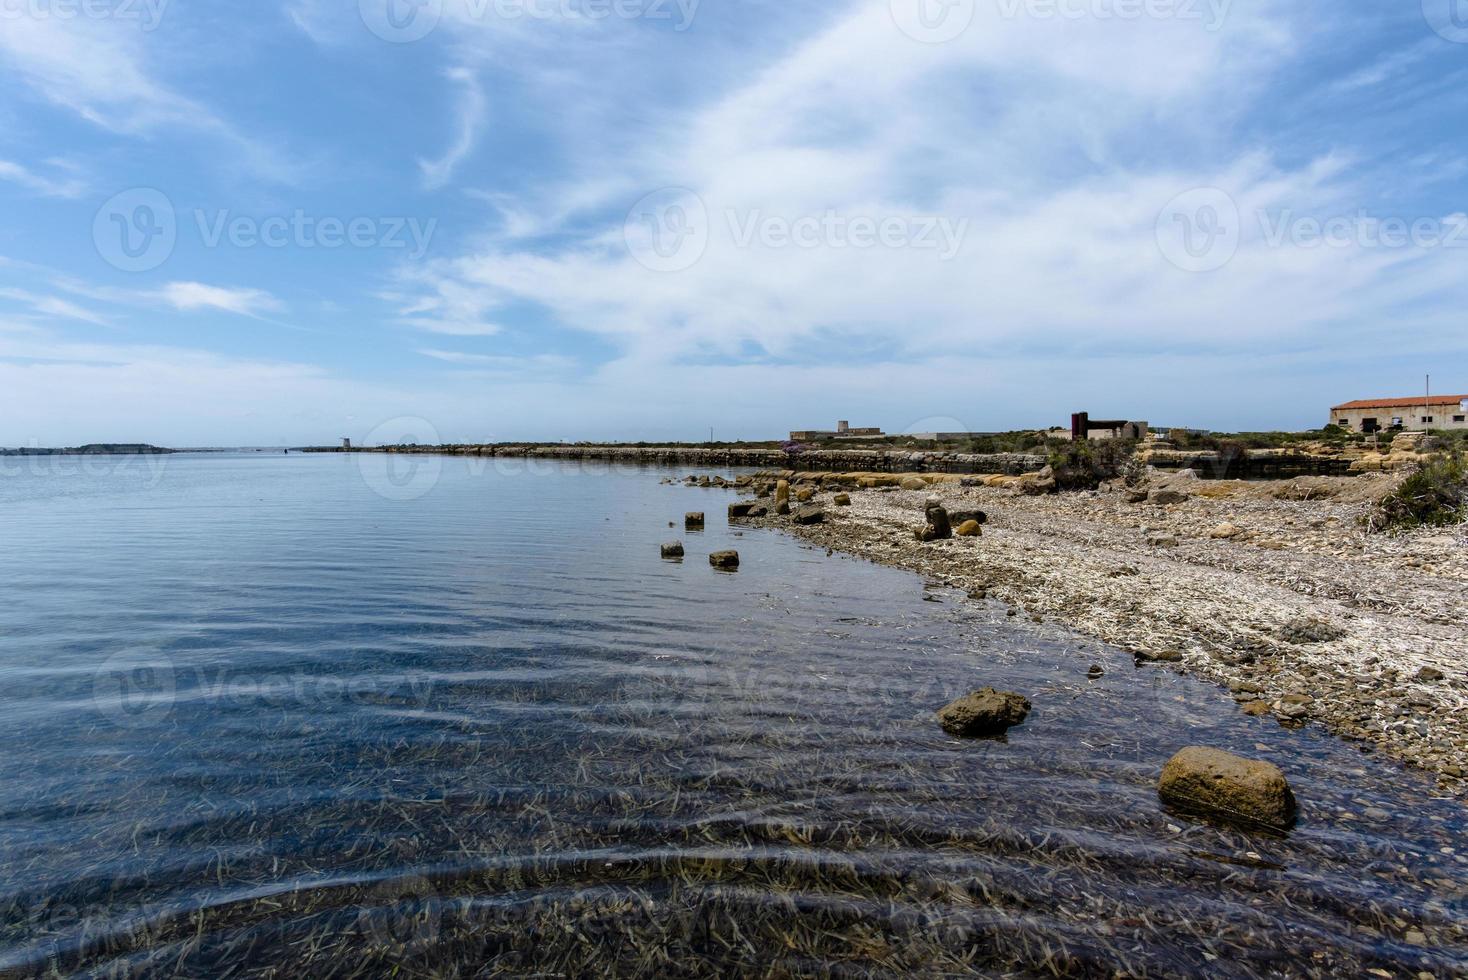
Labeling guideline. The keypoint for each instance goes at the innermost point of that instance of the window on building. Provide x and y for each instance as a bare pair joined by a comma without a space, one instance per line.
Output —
1460,418
1396,421
1426,419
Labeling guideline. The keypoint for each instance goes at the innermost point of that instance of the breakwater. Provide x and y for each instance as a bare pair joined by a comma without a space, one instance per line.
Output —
816,460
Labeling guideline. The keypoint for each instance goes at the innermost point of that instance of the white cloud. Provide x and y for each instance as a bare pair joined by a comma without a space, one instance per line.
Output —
1053,139
194,296
69,186
469,115
53,306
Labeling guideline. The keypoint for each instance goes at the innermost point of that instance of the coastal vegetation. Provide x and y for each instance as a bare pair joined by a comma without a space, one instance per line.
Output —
1434,496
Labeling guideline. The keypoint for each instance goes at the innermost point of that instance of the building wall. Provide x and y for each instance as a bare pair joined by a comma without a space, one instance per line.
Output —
1442,416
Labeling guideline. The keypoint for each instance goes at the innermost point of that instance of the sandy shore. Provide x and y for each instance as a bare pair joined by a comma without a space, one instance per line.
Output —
1284,601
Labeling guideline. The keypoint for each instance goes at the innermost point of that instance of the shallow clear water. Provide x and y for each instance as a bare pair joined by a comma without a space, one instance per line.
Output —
344,715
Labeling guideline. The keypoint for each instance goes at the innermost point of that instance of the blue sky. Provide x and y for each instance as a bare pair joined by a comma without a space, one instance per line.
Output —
286,221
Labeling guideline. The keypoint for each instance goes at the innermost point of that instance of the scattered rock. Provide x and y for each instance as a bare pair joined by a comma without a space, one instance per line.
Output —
1256,709
804,494
810,514
724,559
1162,540
1309,629
1212,783
1137,496
759,510
782,494
985,712
937,527
693,519
913,483
969,529
1225,531
1429,675
1158,656
1169,497
673,549
842,500
1095,671
739,510
957,517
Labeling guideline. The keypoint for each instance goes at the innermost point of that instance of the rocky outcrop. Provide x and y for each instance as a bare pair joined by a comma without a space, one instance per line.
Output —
1222,786
938,526
984,713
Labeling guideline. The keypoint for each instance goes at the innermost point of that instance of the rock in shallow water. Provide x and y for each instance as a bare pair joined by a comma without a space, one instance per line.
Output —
693,519
724,559
1223,786
984,712
673,549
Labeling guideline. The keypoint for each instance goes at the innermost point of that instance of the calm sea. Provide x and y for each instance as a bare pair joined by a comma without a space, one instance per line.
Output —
358,715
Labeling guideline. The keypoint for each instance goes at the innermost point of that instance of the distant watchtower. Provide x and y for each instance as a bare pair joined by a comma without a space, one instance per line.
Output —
346,443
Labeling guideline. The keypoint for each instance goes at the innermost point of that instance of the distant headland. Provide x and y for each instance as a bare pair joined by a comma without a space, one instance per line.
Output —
93,449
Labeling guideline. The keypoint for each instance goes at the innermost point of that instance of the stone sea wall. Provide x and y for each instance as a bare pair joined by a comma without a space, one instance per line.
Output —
818,460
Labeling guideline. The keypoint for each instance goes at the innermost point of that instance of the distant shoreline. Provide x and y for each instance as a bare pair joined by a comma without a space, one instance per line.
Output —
94,449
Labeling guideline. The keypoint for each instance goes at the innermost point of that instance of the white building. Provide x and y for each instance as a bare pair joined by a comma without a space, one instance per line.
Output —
1417,413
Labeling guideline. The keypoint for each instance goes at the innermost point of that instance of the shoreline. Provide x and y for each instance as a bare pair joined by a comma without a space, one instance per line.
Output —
825,460
1272,591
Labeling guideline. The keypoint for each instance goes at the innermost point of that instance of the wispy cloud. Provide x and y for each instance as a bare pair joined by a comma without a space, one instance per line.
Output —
195,296
68,186
469,116
53,306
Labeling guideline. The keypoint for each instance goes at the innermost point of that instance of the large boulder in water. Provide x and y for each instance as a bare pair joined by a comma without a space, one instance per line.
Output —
693,519
727,560
1217,784
986,712
673,549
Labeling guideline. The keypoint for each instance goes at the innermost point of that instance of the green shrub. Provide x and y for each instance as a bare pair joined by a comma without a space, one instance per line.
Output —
1084,464
1436,495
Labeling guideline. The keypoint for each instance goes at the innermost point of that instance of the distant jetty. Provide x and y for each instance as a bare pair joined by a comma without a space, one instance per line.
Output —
93,449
